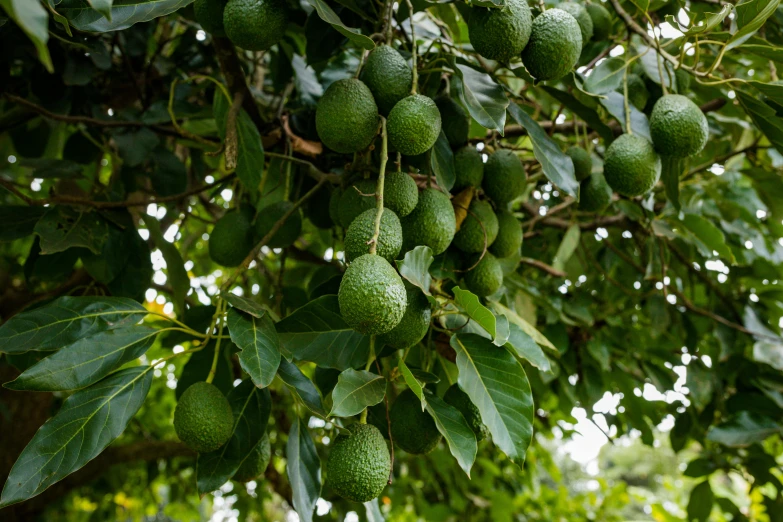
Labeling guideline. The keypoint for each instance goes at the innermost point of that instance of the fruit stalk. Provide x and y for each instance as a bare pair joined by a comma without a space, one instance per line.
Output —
415,48
379,187
219,313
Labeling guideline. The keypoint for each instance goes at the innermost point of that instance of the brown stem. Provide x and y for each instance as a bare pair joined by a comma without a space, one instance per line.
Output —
235,78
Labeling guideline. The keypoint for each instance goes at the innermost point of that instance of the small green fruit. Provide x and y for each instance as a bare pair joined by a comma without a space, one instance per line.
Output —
454,120
500,34
480,223
413,430
347,117
203,418
487,276
388,76
583,163
209,15
232,238
414,324
255,25
414,125
359,465
432,223
468,168
554,47
460,400
678,127
357,198
372,297
509,239
582,18
637,91
362,230
400,193
504,177
288,233
602,21
631,165
595,194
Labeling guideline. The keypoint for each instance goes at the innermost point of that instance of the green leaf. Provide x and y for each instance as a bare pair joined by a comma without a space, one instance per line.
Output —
557,167
415,267
765,118
251,407
131,12
649,60
606,77
330,17
244,304
178,277
751,16
373,511
442,162
485,99
671,171
743,429
711,21
469,303
424,377
88,421
317,332
412,382
65,321
113,259
49,168
33,19
103,7
496,383
257,338
526,327
64,227
643,5
355,391
706,233
700,502
771,90
769,52
455,429
590,117
250,149
700,467
304,470
19,221
567,247
599,351
302,386
86,361
614,104
525,347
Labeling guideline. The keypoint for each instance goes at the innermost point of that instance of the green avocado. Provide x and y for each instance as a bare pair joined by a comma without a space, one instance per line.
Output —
500,34
400,193
359,464
454,120
209,15
353,201
595,194
255,25
583,163
554,47
232,238
203,418
678,127
376,416
509,239
480,222
372,297
582,18
460,400
486,278
256,462
415,322
388,76
362,230
414,125
631,165
602,21
504,177
468,168
413,430
288,233
637,91
432,223
347,117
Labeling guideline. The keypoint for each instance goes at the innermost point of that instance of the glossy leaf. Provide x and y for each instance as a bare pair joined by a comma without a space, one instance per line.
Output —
524,347
712,21
590,116
764,117
700,502
178,277
18,221
455,429
257,338
103,7
567,247
33,19
250,149
650,62
705,232
526,327
130,12
355,391
606,77
751,15
373,511
415,267
302,386
64,227
470,304
412,382
743,429
639,123
245,304
304,470
485,99
330,17
442,162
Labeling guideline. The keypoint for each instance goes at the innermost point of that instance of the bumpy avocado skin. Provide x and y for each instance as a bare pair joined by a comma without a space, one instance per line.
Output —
347,117
678,127
454,120
504,177
352,203
358,466
470,237
595,194
583,163
209,15
602,21
256,463
414,125
288,233
412,429
631,165
232,238
255,25
637,91
362,230
432,223
415,322
509,239
486,278
582,18
372,297
468,168
460,400
500,34
554,47
388,76
203,418
400,193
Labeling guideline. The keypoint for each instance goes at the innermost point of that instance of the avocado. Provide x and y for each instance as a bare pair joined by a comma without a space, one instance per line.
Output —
480,223
371,297
415,322
594,194
602,21
414,125
288,233
554,47
376,416
631,165
637,91
468,168
232,238
347,117
209,15
413,430
509,239
454,120
678,127
486,278
203,418
504,177
353,201
500,34
400,193
388,76
256,462
432,223
359,464
255,25
459,399
362,230
582,18
583,163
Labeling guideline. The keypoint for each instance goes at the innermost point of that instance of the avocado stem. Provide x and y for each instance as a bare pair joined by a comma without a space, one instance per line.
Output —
414,48
379,187
219,315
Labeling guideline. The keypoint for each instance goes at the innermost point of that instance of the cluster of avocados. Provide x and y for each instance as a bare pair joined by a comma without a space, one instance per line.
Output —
255,25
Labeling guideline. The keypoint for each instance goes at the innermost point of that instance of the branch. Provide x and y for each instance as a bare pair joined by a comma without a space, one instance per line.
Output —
543,266
235,78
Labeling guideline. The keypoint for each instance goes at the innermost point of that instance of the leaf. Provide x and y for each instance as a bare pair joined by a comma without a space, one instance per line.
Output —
700,502
700,467
244,304
122,16
330,17
771,90
19,221
88,421
178,277
355,391
373,511
48,168
751,16
496,383
257,338
743,429
302,386
470,304
672,169
650,61
136,146
567,247
525,347
65,321
317,332
250,149
251,407
86,361
103,7
557,167
442,162
606,77
614,104
412,382
455,429
765,118
712,21
415,267
33,19
425,377
170,176
590,117
304,470
705,232
485,99
643,5
64,227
